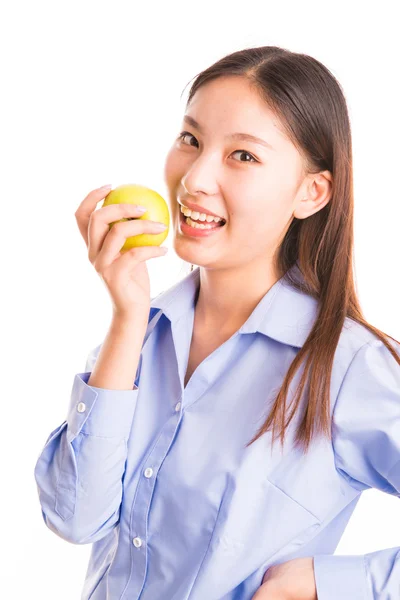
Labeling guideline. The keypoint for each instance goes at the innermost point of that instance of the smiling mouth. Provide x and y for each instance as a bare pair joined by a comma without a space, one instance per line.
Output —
198,225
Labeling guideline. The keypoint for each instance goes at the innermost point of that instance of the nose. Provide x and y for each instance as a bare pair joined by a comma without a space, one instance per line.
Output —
200,178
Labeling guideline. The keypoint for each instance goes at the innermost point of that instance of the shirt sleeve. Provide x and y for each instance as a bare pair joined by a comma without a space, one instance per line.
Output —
80,469
366,443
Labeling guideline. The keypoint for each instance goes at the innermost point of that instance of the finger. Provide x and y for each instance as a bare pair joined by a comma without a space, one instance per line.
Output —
129,260
99,225
86,208
116,237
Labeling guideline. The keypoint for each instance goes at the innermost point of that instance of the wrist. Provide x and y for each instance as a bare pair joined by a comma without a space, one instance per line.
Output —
135,318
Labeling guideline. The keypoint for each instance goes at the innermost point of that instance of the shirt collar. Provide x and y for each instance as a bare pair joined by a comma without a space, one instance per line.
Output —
284,313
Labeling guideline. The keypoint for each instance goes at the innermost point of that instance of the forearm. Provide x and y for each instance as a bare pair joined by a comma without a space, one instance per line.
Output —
118,359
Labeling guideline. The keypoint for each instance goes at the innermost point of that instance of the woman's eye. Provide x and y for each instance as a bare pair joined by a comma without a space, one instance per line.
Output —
184,134
252,159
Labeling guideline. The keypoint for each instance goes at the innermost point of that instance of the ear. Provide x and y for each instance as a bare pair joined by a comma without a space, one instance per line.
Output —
318,193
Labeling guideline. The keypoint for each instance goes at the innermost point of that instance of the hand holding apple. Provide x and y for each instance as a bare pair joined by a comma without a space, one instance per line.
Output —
120,240
157,210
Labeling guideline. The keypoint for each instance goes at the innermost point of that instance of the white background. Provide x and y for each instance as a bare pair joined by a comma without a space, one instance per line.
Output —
91,95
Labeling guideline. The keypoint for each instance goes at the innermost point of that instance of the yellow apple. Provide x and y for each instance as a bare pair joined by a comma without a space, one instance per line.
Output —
132,193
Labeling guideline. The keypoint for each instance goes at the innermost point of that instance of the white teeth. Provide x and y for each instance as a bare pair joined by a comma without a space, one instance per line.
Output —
198,225
199,216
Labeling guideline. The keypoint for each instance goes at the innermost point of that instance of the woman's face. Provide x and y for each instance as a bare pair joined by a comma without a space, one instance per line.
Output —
255,188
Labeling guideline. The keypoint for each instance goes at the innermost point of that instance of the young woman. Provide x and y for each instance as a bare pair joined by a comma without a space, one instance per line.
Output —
176,479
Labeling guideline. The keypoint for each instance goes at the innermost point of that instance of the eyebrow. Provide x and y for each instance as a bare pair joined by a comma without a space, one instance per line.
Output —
247,137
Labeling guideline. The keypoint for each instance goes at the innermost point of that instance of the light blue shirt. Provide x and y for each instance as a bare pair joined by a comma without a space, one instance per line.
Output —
159,479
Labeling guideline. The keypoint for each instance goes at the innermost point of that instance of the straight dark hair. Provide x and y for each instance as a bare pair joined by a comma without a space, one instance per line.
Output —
311,106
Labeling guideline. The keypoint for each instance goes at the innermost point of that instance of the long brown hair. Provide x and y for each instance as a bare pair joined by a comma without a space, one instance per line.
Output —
310,104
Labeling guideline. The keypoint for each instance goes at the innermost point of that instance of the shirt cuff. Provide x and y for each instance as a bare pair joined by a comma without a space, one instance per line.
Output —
343,577
98,411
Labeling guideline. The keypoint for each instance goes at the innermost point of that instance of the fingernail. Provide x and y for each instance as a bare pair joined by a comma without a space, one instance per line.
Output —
141,209
106,187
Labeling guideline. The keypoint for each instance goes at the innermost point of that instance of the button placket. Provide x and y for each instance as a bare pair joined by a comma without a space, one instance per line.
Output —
142,506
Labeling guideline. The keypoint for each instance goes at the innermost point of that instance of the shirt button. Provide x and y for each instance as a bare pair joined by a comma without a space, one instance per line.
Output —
137,542
177,406
81,407
148,472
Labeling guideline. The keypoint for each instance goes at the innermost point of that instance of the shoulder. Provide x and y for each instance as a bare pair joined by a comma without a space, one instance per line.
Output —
355,339
363,366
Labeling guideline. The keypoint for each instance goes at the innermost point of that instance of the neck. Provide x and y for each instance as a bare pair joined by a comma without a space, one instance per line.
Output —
227,297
